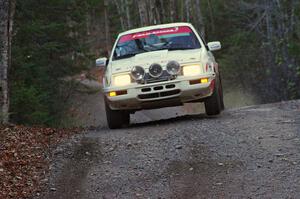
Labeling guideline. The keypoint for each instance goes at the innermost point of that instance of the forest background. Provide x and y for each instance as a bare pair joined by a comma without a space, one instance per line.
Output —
45,41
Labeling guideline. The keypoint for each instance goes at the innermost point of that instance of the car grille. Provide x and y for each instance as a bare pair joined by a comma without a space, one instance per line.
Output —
164,77
157,88
157,95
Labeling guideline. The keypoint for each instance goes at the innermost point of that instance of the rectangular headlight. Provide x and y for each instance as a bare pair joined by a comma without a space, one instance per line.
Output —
121,80
191,70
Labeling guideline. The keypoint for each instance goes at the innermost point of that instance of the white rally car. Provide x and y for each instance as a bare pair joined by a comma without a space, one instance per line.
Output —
160,66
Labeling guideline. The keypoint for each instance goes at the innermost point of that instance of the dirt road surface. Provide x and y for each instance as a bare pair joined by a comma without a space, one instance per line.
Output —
250,152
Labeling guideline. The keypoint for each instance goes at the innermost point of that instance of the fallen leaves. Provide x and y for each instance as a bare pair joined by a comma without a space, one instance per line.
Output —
24,157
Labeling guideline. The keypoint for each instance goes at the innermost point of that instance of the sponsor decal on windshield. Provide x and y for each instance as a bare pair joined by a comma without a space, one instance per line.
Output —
157,32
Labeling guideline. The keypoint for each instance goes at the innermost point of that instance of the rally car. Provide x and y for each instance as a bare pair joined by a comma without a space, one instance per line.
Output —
160,66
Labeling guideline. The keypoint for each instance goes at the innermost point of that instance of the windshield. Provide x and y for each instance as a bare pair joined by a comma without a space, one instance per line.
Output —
177,38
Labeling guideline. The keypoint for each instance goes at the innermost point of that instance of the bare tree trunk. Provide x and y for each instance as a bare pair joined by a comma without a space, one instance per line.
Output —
107,30
7,11
187,5
4,60
200,22
119,6
162,11
212,20
128,3
142,6
88,22
151,6
172,7
182,16
157,5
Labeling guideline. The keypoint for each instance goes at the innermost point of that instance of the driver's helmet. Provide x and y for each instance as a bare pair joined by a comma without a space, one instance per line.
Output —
152,39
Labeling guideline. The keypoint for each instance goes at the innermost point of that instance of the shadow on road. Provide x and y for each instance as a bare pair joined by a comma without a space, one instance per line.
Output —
171,120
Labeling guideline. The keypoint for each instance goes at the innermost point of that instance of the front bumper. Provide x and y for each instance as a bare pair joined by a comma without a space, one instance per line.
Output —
161,94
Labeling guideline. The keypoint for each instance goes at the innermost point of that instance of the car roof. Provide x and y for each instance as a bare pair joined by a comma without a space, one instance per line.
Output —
170,25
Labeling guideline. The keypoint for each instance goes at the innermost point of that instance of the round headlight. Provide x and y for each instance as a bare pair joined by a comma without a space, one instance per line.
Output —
137,72
173,67
155,70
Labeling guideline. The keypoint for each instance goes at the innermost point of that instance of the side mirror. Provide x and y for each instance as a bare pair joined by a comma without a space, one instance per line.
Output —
213,46
101,62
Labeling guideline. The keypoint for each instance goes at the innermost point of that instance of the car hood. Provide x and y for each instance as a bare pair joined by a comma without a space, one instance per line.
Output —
161,57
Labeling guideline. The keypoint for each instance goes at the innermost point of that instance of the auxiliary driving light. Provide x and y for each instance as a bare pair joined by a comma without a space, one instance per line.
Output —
155,70
137,73
173,67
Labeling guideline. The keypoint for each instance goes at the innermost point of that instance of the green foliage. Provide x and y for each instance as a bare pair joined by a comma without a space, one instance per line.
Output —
294,48
46,49
51,43
27,101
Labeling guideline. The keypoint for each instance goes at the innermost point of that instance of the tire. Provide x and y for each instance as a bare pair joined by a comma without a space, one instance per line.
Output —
213,105
116,119
221,95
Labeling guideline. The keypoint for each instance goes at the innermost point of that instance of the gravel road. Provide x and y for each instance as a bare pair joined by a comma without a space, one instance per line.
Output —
250,152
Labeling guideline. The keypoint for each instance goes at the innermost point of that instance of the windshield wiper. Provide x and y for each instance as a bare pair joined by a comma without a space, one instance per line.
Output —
179,48
126,56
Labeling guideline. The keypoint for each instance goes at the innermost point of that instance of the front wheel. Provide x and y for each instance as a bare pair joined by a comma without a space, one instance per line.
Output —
221,95
116,118
213,105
